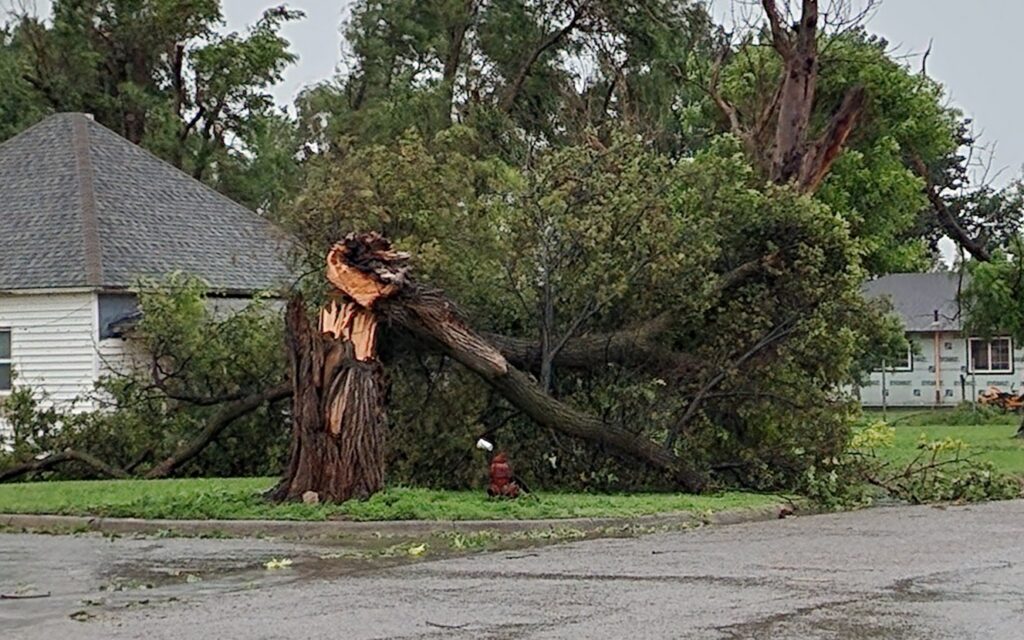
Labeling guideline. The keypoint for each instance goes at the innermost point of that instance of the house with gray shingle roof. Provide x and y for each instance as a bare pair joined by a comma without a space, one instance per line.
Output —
84,214
944,366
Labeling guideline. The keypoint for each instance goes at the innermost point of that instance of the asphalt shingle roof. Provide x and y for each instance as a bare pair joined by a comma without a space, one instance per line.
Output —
916,297
80,206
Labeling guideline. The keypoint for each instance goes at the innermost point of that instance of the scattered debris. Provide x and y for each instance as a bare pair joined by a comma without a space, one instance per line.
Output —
278,563
418,549
82,616
446,626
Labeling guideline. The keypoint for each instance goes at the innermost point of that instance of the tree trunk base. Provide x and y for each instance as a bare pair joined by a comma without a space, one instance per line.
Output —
338,430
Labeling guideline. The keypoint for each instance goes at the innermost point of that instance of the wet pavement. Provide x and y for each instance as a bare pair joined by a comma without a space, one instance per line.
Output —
893,573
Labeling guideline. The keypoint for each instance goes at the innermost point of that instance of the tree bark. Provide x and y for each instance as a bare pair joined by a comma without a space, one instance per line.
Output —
798,49
338,419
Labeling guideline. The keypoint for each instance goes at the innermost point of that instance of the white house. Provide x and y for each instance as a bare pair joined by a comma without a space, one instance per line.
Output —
83,215
944,367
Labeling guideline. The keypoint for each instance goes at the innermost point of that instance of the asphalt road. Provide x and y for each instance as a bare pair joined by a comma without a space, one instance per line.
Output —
906,572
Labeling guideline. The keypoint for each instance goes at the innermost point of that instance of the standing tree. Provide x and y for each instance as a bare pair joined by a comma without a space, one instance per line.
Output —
159,73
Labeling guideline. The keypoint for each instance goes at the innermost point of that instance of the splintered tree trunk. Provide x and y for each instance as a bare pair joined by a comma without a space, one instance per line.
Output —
338,419
338,414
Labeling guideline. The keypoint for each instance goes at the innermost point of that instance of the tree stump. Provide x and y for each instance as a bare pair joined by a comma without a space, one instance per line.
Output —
338,415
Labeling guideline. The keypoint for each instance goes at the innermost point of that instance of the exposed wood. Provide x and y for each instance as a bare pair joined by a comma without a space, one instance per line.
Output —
338,384
818,158
60,458
338,418
792,156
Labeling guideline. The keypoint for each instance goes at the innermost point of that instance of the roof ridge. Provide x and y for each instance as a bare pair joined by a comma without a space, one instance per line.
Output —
87,192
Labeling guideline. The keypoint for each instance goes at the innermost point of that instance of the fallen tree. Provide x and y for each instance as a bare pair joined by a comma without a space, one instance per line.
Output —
338,416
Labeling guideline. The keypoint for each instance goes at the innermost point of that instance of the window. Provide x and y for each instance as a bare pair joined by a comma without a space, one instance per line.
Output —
5,360
904,364
990,356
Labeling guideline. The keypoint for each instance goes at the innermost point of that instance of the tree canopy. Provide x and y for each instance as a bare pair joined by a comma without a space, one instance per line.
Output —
665,222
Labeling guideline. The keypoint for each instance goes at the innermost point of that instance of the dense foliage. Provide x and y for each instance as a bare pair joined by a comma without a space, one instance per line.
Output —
162,74
561,170
188,353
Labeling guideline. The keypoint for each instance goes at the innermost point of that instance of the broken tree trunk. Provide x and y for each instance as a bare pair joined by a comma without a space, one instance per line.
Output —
338,417
389,295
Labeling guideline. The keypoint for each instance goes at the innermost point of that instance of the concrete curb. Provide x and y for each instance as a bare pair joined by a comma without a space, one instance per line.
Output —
343,528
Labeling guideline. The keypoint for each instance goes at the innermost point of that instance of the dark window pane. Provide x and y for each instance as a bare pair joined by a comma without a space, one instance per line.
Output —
1001,354
5,345
979,355
5,377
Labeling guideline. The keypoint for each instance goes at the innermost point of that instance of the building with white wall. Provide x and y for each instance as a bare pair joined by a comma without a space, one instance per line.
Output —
944,366
84,214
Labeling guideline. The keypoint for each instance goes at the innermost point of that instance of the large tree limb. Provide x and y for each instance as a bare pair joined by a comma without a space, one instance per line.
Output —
636,346
63,457
948,220
799,53
432,318
640,345
819,157
220,421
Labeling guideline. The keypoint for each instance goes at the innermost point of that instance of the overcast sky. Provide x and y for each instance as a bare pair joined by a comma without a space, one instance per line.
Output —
974,47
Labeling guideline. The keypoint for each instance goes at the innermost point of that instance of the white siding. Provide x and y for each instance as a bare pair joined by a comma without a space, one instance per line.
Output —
53,343
949,384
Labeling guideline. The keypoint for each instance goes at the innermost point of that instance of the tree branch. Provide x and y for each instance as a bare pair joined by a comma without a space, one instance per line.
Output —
220,421
780,37
512,92
947,218
773,337
63,457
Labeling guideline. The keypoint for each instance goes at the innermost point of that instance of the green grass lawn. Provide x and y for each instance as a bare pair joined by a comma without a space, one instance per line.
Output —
239,498
990,442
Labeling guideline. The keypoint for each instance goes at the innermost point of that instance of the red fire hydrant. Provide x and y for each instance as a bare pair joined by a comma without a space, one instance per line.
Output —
503,484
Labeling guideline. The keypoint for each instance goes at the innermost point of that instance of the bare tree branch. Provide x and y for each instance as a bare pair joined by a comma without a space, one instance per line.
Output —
220,421
947,218
63,457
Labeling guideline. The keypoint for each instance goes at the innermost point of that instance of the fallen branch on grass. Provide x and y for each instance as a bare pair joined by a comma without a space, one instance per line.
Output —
63,457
